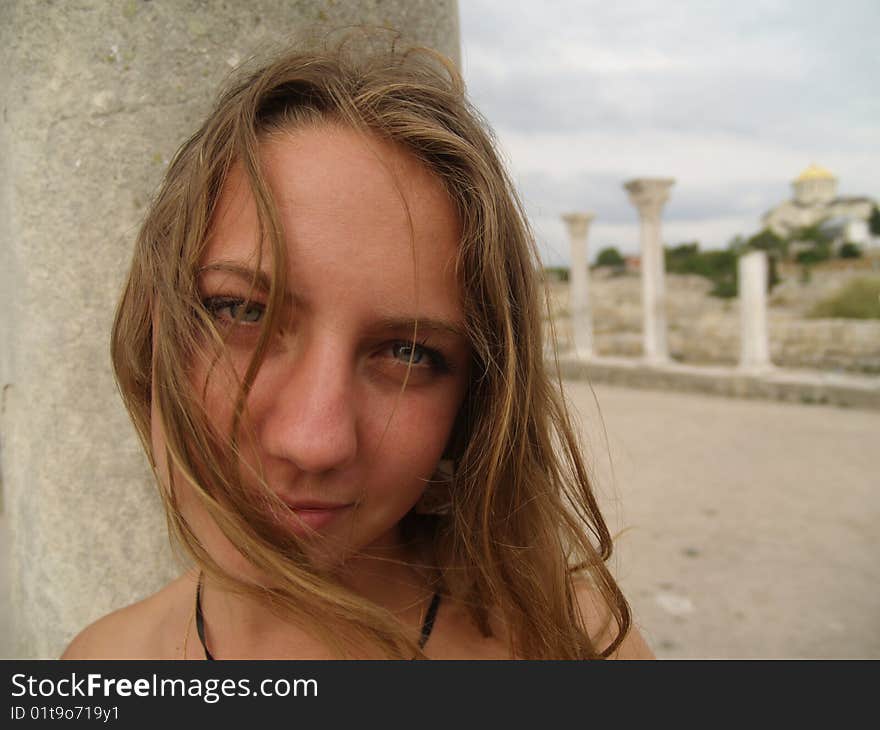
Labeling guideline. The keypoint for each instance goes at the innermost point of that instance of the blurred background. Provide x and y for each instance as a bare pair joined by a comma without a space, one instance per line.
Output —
746,527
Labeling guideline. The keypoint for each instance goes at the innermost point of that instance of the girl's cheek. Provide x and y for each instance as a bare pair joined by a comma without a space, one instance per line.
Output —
218,384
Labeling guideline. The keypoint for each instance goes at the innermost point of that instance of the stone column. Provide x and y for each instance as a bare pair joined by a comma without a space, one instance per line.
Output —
578,284
649,196
97,96
754,341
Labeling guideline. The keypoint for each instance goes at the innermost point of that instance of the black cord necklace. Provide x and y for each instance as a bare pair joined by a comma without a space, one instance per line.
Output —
427,624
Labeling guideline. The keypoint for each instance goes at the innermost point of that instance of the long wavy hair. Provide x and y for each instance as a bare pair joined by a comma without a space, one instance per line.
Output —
520,525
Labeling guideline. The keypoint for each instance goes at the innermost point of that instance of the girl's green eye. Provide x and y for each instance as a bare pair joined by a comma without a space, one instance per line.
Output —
408,352
234,310
419,354
251,312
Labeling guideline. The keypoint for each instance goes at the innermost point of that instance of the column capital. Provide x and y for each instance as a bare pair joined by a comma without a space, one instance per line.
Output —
578,223
649,194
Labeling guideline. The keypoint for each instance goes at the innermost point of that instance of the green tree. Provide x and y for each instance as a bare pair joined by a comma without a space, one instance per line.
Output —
814,255
722,270
610,257
820,244
719,266
773,277
683,258
767,240
874,222
813,233
850,250
776,248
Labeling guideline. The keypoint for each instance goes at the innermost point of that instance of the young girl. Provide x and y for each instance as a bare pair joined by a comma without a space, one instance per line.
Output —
330,344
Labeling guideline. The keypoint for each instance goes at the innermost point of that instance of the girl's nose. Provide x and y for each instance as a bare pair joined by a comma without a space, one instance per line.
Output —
310,419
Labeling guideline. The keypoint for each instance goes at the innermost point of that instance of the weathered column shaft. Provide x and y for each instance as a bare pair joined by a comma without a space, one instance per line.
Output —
754,340
653,290
649,195
578,284
96,98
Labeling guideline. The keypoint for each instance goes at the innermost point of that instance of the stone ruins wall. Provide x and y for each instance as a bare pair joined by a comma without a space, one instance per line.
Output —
706,330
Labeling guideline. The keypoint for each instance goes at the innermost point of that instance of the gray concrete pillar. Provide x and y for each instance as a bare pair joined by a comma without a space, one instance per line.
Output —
754,340
649,195
578,284
96,97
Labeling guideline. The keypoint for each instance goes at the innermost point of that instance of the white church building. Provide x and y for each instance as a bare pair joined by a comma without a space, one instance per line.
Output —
816,201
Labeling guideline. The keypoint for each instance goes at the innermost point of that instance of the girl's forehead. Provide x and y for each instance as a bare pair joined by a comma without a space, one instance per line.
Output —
354,210
363,179
346,178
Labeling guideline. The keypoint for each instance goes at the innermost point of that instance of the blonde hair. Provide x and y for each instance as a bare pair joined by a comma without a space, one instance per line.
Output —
522,520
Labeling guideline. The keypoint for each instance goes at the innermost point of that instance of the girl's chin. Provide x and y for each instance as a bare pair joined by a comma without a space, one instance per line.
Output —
327,537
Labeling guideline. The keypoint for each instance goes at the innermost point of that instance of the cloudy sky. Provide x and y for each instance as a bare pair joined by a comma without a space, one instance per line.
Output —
731,99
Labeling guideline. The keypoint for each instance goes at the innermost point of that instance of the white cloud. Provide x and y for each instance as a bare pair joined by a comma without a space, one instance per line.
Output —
733,100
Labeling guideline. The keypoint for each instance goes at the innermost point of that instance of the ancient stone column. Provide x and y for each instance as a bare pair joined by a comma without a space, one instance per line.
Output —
754,341
96,98
578,284
649,196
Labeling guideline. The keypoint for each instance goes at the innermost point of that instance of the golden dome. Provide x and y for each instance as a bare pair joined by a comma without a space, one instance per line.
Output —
814,172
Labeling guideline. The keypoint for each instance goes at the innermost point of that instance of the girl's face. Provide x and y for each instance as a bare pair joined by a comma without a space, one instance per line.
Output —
371,240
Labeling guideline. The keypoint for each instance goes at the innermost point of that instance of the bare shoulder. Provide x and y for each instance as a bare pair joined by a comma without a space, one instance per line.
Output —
153,628
602,627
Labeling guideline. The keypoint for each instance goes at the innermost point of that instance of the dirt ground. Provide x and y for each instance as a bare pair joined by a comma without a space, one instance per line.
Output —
748,529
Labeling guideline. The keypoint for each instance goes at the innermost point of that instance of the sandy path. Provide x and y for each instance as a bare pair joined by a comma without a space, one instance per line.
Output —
753,525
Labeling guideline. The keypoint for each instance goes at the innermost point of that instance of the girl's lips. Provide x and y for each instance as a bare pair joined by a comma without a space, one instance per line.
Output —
308,517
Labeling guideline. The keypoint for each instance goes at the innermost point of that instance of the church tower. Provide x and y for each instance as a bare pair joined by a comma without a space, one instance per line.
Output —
815,185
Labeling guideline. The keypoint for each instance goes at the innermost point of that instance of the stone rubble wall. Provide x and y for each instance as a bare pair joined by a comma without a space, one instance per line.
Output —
706,330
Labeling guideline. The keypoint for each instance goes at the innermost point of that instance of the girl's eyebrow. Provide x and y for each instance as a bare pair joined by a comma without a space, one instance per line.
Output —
427,325
260,280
